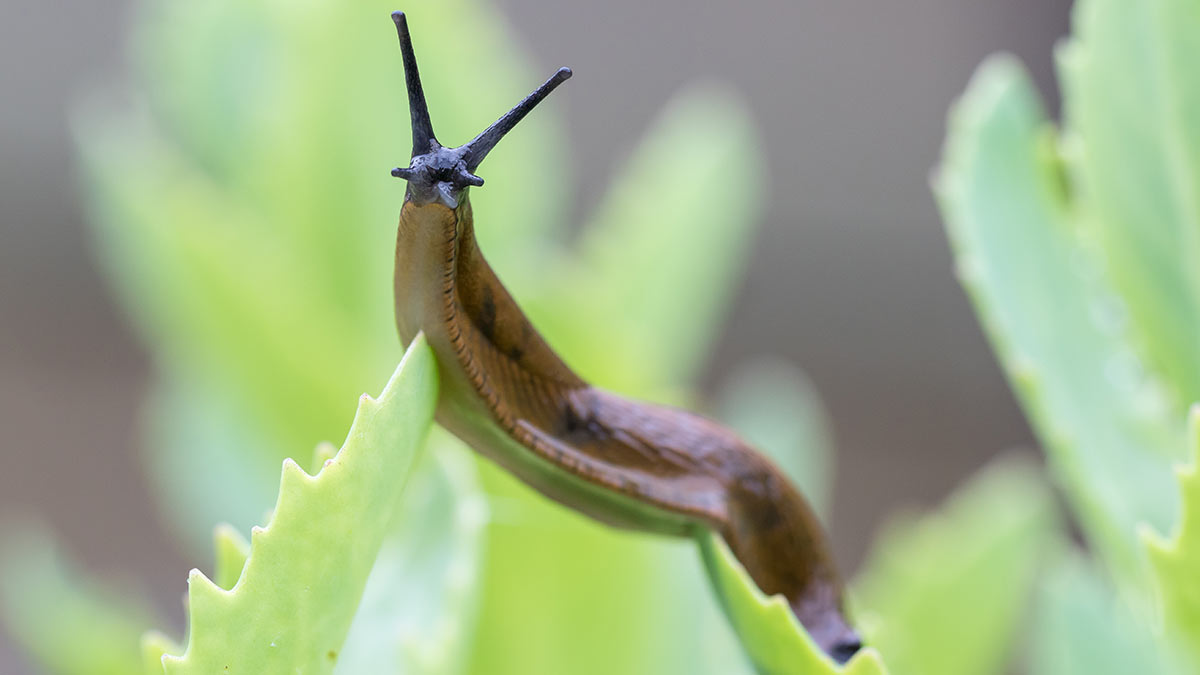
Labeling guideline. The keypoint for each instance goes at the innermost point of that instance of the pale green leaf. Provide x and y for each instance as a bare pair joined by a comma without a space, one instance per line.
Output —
199,443
417,611
292,607
155,645
945,594
1131,102
1105,423
67,623
560,591
223,293
773,639
1176,561
1083,626
232,549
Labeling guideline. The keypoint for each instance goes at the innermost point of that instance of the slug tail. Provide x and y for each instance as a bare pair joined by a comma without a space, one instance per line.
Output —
776,536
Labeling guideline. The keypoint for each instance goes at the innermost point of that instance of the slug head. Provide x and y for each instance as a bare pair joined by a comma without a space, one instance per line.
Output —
440,174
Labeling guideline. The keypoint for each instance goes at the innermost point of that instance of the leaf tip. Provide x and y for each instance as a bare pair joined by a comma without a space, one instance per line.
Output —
294,472
202,590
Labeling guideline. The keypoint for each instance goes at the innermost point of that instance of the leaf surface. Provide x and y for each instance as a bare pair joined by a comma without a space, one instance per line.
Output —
1107,426
293,603
1131,104
67,622
1175,560
946,593
773,639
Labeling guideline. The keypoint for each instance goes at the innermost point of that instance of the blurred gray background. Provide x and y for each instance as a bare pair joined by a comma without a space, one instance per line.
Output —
851,277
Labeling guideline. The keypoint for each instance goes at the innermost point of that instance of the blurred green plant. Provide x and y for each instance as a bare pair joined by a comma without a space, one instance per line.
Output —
243,212
976,557
1175,560
297,587
1078,247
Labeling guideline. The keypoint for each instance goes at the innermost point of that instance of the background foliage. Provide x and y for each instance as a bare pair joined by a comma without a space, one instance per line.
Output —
245,217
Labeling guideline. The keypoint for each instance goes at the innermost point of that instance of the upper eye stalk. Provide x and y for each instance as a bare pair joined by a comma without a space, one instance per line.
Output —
437,173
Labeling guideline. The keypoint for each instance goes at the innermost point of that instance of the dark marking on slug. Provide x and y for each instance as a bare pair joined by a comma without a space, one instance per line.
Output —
487,318
506,393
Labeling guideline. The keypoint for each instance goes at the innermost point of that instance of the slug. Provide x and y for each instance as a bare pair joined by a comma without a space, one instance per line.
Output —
510,397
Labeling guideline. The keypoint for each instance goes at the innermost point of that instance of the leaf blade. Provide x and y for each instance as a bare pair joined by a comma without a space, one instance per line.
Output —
1174,560
770,634
1130,101
293,604
985,543
1104,422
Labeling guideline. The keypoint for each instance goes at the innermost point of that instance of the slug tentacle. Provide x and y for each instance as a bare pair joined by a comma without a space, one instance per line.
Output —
508,395
422,127
440,174
481,145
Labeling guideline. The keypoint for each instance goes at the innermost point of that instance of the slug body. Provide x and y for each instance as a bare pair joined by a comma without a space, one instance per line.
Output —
510,397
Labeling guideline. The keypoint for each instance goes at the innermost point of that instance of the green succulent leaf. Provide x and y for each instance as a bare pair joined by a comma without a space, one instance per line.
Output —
418,608
156,645
945,594
1107,427
1176,560
1083,625
197,442
293,603
67,623
1131,101
773,639
232,549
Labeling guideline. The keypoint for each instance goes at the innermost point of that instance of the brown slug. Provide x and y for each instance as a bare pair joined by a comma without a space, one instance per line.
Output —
510,397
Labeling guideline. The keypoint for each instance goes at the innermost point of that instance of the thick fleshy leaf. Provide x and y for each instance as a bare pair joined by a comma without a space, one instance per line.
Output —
578,588
292,606
1082,625
66,622
232,549
155,645
773,639
1131,102
418,609
1176,561
197,446
1057,327
945,593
